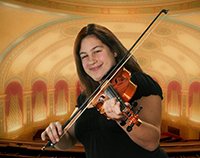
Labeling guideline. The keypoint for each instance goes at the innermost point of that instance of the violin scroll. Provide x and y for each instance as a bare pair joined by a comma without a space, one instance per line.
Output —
133,118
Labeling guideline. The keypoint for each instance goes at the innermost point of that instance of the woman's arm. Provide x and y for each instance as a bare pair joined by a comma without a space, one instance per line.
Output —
147,135
54,132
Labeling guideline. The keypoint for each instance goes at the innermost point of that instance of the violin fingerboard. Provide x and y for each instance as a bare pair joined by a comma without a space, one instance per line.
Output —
111,93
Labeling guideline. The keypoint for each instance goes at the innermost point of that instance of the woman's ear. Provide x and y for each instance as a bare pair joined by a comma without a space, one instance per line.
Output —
115,54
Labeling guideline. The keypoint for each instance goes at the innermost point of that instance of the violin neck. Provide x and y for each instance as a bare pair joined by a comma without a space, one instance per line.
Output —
111,93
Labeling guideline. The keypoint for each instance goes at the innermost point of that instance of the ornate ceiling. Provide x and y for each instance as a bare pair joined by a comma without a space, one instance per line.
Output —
108,7
37,38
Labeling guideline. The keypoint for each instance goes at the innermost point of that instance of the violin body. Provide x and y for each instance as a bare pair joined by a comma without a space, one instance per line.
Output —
123,86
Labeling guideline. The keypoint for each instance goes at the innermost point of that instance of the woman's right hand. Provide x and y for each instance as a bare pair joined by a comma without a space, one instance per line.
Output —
52,132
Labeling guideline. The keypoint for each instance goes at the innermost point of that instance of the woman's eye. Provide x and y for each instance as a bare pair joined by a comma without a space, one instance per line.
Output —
97,51
84,56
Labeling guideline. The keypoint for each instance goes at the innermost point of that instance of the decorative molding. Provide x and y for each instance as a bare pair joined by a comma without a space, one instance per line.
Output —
102,7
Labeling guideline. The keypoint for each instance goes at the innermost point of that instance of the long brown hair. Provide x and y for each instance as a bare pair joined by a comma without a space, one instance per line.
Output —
107,38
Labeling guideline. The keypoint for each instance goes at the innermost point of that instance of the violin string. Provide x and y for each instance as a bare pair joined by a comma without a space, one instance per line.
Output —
104,85
111,93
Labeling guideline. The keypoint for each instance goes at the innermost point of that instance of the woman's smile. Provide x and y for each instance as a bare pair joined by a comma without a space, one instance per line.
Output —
96,68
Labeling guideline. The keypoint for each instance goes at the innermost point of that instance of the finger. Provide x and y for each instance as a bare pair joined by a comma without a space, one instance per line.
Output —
108,118
49,133
127,104
107,107
59,128
43,136
115,106
117,109
112,102
54,133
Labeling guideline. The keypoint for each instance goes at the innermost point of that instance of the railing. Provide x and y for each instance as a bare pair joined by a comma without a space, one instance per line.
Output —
33,148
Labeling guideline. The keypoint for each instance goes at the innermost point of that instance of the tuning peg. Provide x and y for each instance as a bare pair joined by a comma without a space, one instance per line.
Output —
133,104
140,108
129,128
123,122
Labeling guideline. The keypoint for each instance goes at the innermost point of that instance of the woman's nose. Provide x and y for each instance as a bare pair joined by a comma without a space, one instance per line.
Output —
92,60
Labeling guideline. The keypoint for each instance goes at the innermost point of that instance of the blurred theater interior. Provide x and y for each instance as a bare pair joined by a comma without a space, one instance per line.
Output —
38,79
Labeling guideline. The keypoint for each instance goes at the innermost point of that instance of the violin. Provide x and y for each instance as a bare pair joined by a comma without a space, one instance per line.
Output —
121,88
109,86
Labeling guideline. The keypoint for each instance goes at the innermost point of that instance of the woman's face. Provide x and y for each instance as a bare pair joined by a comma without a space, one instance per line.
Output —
97,59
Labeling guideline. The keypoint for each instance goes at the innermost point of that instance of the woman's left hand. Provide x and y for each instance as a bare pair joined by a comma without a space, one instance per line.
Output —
112,109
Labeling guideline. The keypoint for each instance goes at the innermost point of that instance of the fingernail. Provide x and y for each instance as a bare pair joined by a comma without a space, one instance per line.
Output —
57,139
54,141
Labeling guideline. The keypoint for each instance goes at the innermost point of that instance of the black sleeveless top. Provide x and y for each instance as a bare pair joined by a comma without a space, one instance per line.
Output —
104,138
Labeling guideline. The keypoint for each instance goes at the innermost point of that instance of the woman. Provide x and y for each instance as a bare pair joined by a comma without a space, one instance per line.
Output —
96,51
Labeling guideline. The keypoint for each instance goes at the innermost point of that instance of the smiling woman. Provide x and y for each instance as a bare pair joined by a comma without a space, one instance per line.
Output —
37,45
108,42
96,51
